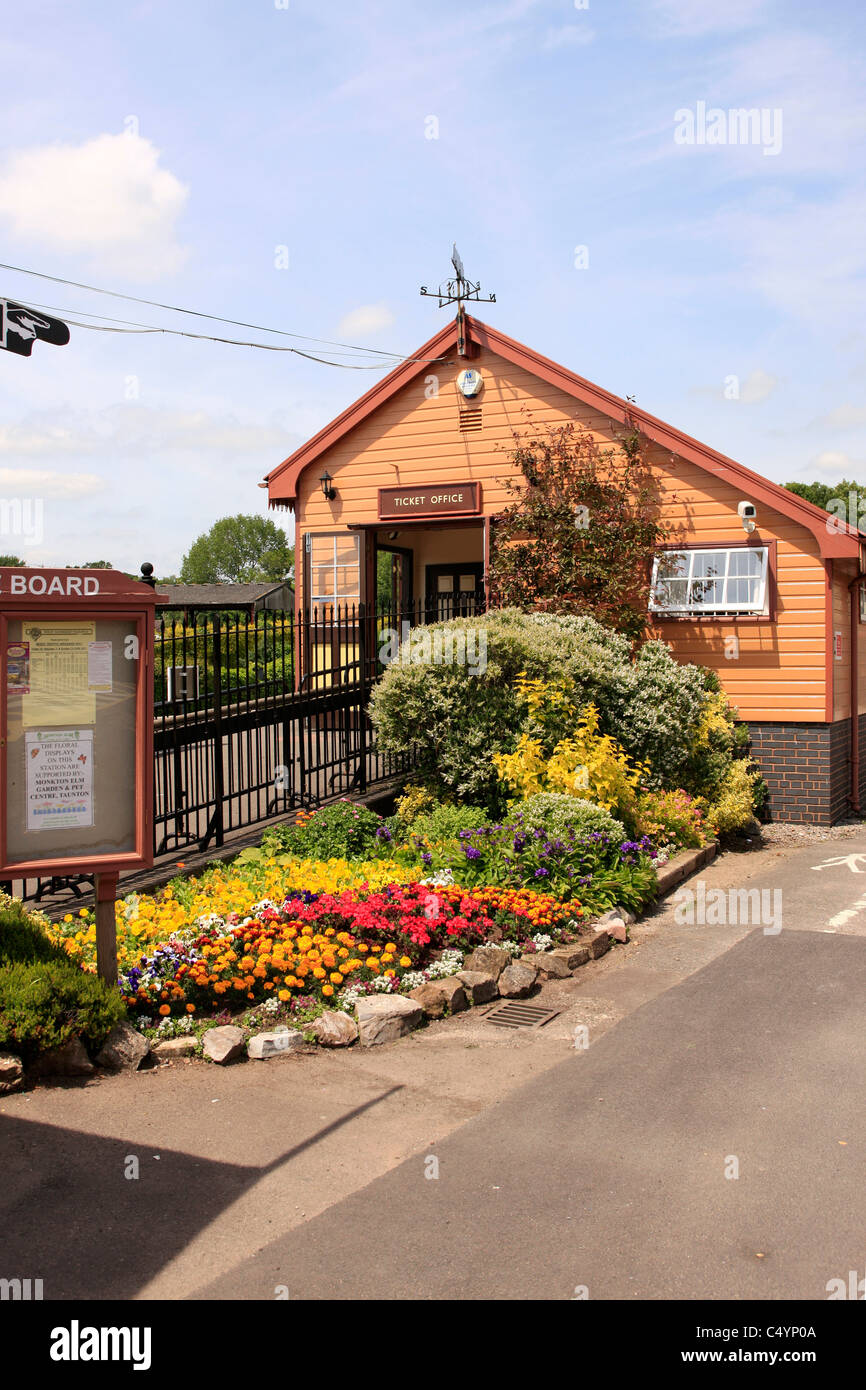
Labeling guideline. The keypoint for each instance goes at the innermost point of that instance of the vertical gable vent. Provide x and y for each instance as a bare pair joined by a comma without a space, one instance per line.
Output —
470,418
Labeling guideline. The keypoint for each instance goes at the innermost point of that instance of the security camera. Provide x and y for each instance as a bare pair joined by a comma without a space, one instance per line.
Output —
747,511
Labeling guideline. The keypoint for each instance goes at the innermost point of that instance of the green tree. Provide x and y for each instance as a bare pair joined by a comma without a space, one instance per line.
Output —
11,560
581,534
238,549
845,500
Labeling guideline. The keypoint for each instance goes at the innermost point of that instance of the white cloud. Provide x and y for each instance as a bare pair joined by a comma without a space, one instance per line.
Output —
369,318
844,417
135,429
757,386
696,17
834,461
42,482
108,199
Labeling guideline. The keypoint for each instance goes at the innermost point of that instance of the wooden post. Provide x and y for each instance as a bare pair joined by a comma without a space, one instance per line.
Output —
106,928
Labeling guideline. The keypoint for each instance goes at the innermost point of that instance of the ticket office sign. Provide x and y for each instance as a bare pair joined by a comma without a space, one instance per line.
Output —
76,753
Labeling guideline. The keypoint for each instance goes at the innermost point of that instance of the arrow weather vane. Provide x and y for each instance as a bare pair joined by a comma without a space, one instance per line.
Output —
458,289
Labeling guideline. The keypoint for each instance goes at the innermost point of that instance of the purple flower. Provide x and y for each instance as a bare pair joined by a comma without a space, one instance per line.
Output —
541,873
471,853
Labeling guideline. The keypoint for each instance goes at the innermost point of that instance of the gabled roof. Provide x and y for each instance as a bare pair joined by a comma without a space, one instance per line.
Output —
282,482
220,595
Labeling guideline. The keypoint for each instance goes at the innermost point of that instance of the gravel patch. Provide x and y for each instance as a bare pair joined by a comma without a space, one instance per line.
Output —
787,833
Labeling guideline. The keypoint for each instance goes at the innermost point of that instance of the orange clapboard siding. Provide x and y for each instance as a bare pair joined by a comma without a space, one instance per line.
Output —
411,437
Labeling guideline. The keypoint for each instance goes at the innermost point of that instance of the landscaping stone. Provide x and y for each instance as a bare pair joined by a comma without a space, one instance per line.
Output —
480,985
438,995
599,943
334,1029
492,960
175,1047
548,965
574,956
618,931
385,1017
68,1060
517,980
125,1049
11,1074
614,915
224,1044
279,1043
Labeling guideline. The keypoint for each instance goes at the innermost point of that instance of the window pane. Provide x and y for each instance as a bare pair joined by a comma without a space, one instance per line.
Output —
672,564
445,583
467,583
346,549
321,550
746,562
707,593
348,581
671,593
708,563
323,580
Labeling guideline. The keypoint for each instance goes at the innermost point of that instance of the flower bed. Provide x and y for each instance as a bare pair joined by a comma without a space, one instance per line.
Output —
334,948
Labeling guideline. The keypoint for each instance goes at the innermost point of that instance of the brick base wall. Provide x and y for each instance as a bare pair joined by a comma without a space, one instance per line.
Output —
807,768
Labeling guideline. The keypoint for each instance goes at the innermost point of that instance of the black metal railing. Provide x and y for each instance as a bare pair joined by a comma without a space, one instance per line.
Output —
258,717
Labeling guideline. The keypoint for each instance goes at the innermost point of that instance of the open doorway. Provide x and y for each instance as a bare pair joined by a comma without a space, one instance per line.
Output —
394,592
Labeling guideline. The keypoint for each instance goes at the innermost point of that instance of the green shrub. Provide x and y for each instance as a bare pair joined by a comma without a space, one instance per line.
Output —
416,801
556,814
45,998
671,818
733,808
456,717
445,822
342,830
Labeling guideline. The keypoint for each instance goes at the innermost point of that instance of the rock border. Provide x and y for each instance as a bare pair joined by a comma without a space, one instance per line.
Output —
487,973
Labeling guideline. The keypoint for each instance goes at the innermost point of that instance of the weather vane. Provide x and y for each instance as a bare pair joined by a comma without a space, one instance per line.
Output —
458,289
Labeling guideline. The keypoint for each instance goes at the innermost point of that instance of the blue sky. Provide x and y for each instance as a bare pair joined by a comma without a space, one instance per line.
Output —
170,150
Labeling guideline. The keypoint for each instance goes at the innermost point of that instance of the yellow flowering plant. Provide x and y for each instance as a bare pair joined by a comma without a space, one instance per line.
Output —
585,764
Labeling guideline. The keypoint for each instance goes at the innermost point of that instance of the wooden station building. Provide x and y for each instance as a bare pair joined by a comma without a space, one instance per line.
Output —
414,469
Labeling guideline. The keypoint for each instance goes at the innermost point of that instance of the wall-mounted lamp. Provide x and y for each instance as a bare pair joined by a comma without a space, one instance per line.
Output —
326,483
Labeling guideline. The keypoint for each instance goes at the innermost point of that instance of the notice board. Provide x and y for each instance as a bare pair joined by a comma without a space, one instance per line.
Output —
71,705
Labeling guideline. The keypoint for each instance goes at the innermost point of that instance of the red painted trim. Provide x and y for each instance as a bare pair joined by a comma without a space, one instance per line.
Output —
283,480
828,644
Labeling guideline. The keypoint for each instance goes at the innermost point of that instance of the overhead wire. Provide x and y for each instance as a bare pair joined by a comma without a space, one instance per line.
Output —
216,318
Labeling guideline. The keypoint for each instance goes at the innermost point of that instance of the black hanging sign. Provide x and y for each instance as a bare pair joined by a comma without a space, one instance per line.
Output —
21,327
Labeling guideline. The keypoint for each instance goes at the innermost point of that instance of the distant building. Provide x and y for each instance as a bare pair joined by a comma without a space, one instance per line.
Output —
192,599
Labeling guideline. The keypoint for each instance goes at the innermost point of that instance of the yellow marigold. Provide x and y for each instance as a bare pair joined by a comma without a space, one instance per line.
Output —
405,961
284,995
336,978
328,990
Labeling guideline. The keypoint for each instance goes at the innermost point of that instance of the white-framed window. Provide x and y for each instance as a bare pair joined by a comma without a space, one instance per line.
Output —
333,570
712,581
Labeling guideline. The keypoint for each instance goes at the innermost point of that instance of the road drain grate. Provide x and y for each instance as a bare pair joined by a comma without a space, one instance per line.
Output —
516,1013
